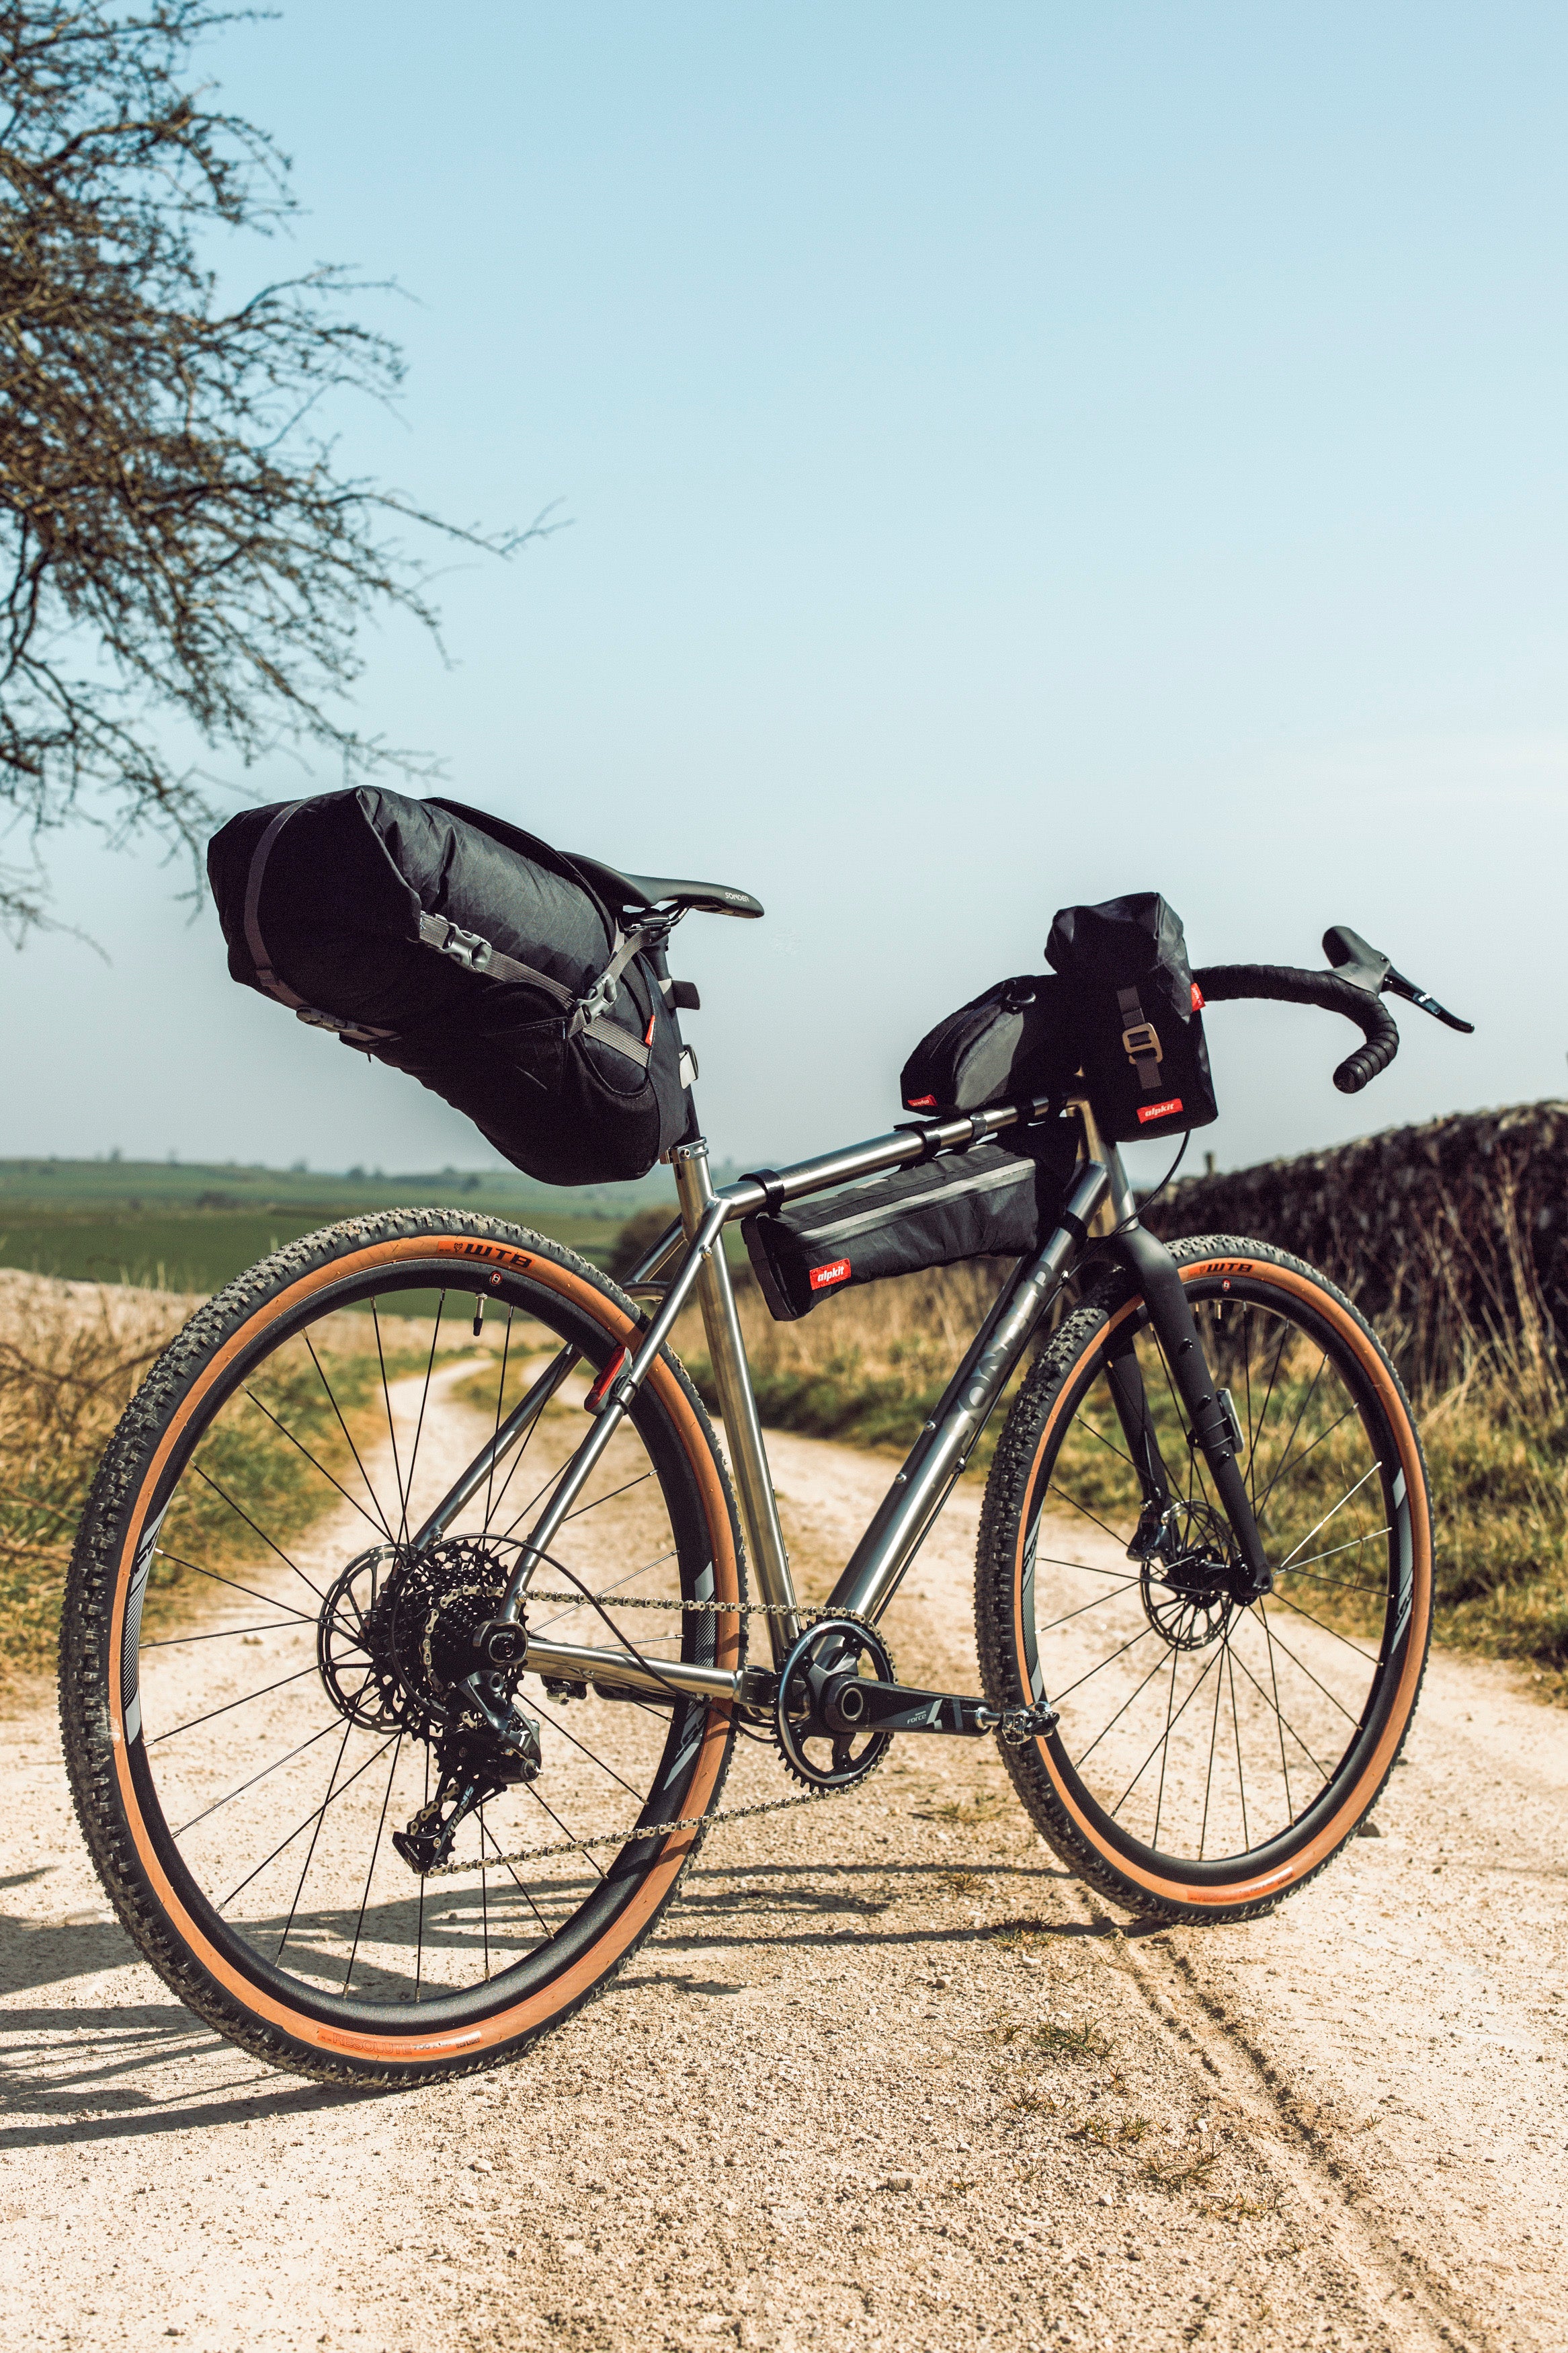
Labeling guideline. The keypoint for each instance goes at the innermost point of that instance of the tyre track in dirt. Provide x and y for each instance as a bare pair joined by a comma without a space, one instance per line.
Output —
885,2078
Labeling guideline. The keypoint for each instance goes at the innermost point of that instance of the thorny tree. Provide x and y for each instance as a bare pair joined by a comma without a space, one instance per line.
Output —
180,553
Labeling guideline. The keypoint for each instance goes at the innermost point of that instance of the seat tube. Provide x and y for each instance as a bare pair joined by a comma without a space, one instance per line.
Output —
737,1405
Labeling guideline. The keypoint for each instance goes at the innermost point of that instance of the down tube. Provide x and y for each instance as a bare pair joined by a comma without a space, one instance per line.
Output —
939,1455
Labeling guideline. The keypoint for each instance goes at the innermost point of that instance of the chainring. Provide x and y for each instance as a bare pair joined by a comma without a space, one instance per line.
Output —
826,1650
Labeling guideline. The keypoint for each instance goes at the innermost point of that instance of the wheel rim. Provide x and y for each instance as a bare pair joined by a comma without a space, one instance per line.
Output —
1202,1741
266,1765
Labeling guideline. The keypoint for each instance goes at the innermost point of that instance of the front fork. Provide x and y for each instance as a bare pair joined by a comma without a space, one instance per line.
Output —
1211,1428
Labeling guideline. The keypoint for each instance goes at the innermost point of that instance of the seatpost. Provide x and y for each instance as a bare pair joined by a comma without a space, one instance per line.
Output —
737,1406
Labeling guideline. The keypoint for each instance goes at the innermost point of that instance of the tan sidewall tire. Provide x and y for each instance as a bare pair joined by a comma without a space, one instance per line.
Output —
1021,1456
93,1708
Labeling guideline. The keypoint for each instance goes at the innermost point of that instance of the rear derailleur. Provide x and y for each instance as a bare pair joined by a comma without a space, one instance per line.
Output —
472,1766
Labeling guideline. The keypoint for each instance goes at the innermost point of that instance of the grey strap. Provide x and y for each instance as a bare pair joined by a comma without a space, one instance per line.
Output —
470,949
352,1031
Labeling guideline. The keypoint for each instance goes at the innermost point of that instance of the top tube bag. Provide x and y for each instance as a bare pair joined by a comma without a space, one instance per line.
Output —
469,953
1136,1015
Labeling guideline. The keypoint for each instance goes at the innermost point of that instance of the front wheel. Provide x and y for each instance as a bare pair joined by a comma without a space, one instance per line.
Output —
266,1679
1211,1754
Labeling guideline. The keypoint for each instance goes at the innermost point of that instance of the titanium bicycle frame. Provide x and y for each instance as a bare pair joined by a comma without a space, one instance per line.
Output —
689,1256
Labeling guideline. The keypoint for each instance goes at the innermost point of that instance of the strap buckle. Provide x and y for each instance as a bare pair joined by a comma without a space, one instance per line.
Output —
464,947
1141,1039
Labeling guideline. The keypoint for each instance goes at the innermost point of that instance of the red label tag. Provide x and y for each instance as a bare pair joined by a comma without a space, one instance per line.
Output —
1197,998
1159,1111
920,1102
822,1278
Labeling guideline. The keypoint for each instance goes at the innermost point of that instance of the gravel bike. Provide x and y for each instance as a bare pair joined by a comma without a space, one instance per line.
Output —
425,1765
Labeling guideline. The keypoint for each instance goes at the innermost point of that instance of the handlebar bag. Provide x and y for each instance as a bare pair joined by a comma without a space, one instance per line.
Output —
987,1202
1137,1015
449,944
1014,1041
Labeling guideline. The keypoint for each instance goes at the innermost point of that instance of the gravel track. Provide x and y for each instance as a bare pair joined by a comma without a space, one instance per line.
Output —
885,2078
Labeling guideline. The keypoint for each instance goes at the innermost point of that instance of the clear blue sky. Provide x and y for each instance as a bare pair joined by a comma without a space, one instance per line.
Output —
1015,454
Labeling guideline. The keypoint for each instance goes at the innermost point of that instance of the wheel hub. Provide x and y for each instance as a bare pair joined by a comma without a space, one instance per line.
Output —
1188,1578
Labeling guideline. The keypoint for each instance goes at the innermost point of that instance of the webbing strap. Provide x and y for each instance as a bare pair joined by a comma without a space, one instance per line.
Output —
1140,1041
270,980
590,1013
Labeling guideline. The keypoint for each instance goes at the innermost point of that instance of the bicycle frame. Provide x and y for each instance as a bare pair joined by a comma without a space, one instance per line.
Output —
689,1257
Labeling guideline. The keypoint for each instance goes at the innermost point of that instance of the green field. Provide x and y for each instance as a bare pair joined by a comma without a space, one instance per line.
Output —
182,1227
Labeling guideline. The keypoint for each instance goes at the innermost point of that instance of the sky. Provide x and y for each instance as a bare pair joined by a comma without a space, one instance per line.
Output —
1010,456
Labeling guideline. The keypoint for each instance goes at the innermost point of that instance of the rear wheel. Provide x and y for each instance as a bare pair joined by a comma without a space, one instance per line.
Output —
1211,1754
260,1674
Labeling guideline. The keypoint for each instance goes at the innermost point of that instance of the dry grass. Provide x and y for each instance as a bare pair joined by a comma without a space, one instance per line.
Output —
69,1362
71,1357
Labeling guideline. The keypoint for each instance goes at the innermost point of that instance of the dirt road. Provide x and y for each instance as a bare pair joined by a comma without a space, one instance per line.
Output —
817,2110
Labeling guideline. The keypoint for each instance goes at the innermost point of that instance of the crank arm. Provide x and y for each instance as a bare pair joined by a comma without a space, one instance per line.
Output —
855,1702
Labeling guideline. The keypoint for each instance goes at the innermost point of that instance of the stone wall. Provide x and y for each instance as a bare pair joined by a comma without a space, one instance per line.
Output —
1449,1235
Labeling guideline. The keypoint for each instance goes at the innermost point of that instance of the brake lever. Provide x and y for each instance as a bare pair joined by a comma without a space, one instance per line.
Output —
1366,968
1427,1002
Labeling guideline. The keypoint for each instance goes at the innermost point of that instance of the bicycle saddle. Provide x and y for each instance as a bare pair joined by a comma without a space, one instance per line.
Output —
623,890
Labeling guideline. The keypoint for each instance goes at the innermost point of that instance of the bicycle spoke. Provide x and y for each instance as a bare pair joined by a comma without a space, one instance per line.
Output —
1368,1655
390,1431
229,1705
495,1433
424,1401
1284,1719
1236,1721
1339,1507
1306,1671
348,1438
250,1524
311,1459
223,1633
1098,1603
278,1762
369,1874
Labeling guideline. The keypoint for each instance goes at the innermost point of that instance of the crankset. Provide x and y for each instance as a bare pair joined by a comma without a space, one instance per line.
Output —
838,1688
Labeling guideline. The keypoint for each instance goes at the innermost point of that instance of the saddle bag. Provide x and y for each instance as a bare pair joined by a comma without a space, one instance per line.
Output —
987,1202
1014,1041
1136,1015
468,952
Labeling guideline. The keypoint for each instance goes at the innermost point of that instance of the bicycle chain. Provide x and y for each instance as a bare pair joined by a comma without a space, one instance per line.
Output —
722,1813
687,1822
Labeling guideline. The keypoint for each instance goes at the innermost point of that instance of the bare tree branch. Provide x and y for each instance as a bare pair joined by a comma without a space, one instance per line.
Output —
176,542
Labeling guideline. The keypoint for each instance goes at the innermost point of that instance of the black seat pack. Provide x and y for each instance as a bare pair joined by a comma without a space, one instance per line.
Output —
471,955
1135,1014
1014,1041
987,1202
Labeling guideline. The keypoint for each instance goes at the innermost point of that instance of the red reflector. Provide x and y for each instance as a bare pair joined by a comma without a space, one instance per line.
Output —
1197,998
920,1102
822,1278
1159,1111
594,1400
648,1033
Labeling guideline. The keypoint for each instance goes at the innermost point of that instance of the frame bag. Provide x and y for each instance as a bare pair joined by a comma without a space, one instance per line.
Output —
982,1203
1136,1014
471,955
